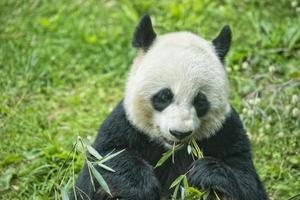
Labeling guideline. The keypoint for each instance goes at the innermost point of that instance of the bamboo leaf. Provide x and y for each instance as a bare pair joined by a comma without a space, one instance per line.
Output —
64,191
205,195
174,196
93,152
195,191
194,152
163,159
189,149
110,156
100,179
216,195
185,182
182,192
55,195
177,181
197,148
106,167
173,154
64,194
166,155
90,165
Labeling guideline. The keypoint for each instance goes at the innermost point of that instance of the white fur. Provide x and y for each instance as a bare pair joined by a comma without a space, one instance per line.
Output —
186,64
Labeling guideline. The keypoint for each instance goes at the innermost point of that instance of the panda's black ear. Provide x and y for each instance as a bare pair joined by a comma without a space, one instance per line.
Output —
144,34
222,42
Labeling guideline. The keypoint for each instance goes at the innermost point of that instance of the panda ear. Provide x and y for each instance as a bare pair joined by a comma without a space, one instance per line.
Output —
222,42
144,34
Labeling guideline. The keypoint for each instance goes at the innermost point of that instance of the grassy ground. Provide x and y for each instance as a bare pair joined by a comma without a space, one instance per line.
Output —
63,65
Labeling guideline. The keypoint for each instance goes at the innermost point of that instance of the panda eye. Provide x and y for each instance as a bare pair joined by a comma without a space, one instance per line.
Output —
162,99
201,104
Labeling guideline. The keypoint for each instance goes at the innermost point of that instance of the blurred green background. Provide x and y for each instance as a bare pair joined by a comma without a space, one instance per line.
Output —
63,65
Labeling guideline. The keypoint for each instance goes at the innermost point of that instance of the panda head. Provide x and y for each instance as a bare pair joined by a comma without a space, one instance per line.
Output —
177,88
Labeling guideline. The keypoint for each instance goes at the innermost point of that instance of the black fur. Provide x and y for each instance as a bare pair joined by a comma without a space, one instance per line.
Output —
201,104
162,99
227,166
222,42
144,34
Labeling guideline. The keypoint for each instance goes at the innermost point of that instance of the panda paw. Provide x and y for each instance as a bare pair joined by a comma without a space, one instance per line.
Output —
209,173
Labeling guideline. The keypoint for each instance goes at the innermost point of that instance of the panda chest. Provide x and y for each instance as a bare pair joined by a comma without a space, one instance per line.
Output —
173,168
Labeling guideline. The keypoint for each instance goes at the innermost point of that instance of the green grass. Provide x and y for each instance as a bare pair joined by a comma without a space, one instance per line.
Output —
63,66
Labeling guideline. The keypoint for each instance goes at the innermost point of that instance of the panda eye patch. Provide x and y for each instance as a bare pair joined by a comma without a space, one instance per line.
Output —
162,99
201,104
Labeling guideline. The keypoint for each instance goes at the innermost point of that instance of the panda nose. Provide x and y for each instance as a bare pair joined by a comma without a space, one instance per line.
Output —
180,135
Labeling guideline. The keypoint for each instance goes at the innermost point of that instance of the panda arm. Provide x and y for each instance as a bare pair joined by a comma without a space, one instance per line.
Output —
227,165
246,176
133,179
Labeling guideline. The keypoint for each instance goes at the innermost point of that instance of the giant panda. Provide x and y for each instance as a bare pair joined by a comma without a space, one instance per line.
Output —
177,89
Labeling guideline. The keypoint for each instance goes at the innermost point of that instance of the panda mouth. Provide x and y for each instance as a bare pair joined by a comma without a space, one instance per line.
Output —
174,143
170,142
